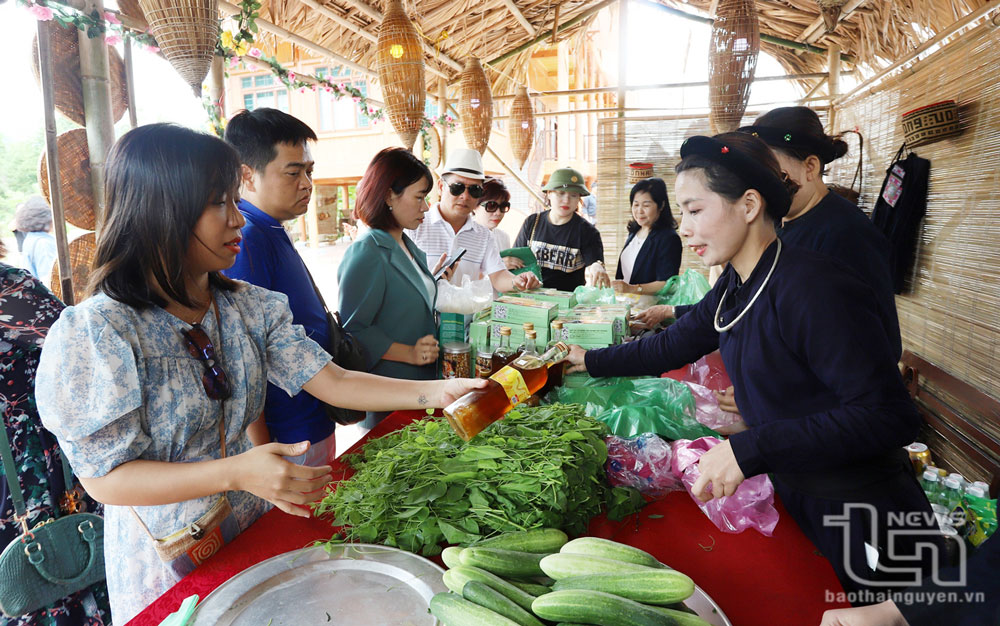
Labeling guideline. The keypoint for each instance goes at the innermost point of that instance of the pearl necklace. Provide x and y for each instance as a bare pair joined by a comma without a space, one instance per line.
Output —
715,320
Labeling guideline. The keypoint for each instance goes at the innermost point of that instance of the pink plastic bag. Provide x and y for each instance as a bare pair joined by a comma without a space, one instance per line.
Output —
708,371
752,506
707,410
643,462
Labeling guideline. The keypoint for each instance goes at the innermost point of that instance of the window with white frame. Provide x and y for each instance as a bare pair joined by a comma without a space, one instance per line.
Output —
343,113
262,91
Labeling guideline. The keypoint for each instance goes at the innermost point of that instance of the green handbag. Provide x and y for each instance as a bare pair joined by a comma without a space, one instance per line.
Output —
52,560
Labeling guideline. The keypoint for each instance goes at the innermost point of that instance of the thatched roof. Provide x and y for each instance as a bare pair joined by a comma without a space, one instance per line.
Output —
875,32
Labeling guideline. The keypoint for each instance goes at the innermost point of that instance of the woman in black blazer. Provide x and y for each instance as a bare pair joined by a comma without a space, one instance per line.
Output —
652,252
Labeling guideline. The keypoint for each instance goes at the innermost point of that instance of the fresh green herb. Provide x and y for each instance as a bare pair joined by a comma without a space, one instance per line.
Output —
655,516
421,485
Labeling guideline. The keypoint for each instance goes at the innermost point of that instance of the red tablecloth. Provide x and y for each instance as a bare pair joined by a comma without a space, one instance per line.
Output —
756,580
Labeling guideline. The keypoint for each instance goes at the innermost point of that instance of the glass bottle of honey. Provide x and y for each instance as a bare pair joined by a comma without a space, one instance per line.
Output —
557,371
528,327
504,354
511,385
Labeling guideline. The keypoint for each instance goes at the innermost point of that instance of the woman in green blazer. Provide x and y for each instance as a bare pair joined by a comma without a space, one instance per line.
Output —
387,292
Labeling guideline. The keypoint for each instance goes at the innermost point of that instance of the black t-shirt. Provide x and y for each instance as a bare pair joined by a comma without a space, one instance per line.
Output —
563,252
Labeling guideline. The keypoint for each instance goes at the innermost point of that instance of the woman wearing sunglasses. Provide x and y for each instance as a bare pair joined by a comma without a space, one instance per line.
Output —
150,384
652,251
492,207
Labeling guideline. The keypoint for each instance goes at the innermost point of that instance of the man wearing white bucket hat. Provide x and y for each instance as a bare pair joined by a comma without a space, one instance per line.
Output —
449,226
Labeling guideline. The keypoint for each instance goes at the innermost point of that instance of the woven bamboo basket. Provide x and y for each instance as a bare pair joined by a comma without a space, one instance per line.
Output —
931,123
475,105
81,259
186,32
74,176
522,126
400,61
639,171
830,9
732,62
132,9
67,81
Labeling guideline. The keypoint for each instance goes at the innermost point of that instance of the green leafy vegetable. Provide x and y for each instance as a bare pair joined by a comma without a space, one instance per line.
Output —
421,485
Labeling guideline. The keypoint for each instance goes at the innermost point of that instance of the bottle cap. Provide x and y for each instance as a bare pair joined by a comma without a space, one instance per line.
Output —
557,324
973,490
931,475
916,447
528,326
505,330
952,483
530,334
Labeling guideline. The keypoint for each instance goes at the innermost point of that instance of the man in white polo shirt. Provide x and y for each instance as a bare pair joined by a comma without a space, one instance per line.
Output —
449,227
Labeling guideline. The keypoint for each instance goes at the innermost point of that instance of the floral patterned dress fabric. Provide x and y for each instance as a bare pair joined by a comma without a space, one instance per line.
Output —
27,310
116,384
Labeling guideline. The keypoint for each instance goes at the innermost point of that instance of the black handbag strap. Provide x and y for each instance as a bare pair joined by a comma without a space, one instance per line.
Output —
10,472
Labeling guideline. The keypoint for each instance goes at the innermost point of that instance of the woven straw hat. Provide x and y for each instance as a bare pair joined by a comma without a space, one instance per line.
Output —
74,176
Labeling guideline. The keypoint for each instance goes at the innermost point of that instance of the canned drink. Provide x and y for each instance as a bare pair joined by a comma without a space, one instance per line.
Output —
457,361
920,456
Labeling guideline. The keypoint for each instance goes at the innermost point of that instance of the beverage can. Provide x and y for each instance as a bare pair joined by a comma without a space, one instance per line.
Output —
919,455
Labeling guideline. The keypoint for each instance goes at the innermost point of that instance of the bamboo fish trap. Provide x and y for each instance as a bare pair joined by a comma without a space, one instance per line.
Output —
400,61
475,105
186,32
732,61
522,126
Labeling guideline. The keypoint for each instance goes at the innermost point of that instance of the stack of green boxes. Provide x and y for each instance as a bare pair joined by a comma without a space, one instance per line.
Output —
539,306
595,326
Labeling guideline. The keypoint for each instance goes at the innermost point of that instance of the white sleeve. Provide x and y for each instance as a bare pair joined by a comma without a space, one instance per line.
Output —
491,259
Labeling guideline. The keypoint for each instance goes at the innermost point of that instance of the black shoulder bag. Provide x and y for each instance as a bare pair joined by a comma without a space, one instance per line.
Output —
346,352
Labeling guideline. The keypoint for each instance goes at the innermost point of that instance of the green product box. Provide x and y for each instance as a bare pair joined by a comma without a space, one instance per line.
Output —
514,311
517,335
589,333
616,313
453,327
479,335
565,299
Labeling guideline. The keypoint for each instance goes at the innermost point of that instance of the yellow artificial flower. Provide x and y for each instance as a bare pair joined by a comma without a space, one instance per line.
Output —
226,39
243,48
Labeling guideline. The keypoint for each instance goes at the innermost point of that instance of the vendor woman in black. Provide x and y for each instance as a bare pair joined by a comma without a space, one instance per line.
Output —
819,219
811,357
652,251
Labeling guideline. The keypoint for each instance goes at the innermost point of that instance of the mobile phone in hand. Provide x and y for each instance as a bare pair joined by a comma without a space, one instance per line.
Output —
450,261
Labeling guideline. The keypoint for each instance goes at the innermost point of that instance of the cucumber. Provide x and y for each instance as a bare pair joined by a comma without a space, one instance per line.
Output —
454,610
451,556
533,588
456,577
595,546
652,587
682,618
503,562
561,566
488,597
597,607
540,541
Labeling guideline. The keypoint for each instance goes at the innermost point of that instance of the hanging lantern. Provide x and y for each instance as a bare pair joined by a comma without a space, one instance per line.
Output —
830,9
732,62
400,61
522,126
475,105
186,32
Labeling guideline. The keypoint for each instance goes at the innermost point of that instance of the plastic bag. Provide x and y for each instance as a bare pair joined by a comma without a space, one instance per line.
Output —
707,410
527,257
473,296
633,406
752,506
594,295
643,462
687,288
708,371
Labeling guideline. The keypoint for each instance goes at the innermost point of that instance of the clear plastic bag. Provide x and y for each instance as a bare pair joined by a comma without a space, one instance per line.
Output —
473,296
687,288
752,506
594,295
643,462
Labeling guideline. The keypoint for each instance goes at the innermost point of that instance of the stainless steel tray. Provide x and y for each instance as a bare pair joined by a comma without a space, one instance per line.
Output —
354,585
706,608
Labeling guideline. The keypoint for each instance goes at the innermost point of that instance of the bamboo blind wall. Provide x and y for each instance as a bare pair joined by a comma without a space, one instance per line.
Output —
951,316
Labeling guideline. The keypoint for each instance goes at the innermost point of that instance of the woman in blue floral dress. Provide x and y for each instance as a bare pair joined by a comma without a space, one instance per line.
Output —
142,381
27,309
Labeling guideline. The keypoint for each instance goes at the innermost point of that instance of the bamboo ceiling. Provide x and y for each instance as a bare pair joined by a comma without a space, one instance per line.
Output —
875,32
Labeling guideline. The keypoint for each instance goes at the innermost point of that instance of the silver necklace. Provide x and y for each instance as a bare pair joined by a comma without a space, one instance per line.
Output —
718,310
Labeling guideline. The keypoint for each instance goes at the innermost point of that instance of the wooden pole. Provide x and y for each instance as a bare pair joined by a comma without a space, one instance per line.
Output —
443,107
622,54
130,84
543,36
52,161
834,82
96,106
217,85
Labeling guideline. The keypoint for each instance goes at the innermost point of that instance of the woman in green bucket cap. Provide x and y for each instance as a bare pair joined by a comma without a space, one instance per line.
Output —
568,248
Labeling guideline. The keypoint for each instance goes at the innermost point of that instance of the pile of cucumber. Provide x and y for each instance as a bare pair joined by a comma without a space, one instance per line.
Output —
537,577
